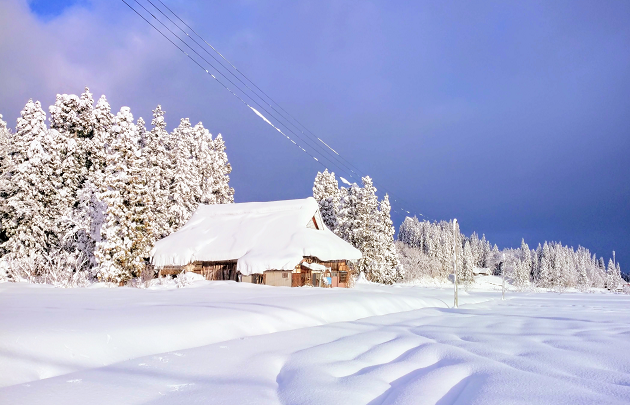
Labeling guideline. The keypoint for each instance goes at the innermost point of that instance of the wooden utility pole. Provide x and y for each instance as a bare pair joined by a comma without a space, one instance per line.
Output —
455,238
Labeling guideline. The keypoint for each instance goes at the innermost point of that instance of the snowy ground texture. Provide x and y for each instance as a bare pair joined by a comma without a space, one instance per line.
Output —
228,343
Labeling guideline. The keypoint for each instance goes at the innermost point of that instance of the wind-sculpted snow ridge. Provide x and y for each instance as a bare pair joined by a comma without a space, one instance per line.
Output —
531,349
48,332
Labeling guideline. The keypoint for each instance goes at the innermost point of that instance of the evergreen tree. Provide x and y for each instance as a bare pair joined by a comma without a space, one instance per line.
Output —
326,193
205,161
5,142
73,114
391,269
124,235
221,169
186,183
526,258
25,222
90,212
468,263
613,276
366,234
546,276
521,273
348,216
159,171
72,122
5,170
583,282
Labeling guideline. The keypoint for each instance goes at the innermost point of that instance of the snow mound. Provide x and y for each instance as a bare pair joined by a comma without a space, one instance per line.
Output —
49,331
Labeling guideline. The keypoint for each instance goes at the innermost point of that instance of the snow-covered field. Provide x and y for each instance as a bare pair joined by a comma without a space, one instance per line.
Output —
228,343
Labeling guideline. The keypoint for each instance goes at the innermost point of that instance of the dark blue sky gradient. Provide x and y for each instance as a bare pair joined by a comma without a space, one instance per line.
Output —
48,9
513,117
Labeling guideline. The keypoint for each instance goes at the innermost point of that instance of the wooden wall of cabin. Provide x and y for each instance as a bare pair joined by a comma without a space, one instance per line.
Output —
278,278
341,271
225,270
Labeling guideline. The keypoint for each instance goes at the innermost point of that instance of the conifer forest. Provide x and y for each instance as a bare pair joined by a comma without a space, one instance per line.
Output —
85,193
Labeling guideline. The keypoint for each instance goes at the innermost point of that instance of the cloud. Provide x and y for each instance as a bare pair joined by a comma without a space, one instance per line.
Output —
102,46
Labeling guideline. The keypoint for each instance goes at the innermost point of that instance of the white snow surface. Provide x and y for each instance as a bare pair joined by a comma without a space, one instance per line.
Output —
229,343
345,181
261,235
314,266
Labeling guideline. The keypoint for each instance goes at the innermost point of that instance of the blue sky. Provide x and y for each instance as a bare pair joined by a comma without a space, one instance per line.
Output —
511,116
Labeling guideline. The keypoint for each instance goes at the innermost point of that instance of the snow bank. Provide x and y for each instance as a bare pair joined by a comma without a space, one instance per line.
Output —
51,331
261,235
531,349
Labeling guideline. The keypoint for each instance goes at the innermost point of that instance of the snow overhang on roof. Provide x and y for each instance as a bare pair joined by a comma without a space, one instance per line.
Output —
260,235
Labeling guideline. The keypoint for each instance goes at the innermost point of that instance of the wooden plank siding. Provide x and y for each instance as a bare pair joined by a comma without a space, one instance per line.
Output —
223,270
300,276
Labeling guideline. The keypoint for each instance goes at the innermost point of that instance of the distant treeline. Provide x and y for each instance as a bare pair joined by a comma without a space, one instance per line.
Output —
426,251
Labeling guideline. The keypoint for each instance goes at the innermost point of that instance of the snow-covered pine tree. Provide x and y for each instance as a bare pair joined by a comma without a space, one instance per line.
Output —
450,242
411,233
367,236
391,269
186,181
475,247
454,240
158,170
73,115
486,250
90,210
326,193
25,220
583,259
5,141
205,161
526,259
348,217
521,274
5,170
221,169
124,235
493,260
72,121
468,264
142,133
613,276
545,272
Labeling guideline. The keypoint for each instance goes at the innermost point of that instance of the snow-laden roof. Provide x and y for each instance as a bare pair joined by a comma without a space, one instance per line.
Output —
314,266
261,235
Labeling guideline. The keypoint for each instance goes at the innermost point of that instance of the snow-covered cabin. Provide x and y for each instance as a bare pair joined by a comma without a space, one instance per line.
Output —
276,243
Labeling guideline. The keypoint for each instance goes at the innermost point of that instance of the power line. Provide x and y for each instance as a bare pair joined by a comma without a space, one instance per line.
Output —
324,152
258,88
237,87
241,81
221,83
336,157
351,167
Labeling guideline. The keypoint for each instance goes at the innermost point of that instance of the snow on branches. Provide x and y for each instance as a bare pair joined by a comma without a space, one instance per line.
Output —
356,215
425,249
88,196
